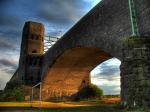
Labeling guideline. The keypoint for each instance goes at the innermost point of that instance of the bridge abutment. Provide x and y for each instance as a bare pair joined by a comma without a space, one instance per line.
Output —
135,72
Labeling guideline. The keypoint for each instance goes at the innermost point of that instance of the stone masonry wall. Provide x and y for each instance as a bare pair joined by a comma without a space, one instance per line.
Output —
135,72
104,27
71,72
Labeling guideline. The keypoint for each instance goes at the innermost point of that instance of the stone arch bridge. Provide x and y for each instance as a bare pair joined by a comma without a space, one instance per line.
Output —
101,34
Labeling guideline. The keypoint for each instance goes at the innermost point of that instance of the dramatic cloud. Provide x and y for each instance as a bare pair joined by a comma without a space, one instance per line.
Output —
4,77
7,68
107,76
7,63
57,16
6,45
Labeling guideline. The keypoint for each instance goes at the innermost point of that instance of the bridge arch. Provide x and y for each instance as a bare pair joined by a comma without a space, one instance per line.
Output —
98,36
103,29
71,71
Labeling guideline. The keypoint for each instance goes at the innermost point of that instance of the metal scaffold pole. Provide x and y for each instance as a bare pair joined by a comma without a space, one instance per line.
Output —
40,94
135,31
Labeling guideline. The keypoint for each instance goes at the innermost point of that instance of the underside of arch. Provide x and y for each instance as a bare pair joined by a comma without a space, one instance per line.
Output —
71,71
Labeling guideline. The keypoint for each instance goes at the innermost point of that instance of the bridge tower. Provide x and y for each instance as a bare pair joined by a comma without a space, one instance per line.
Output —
32,49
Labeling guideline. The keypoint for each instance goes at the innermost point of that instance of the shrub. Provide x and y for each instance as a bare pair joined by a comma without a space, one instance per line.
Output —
90,91
15,94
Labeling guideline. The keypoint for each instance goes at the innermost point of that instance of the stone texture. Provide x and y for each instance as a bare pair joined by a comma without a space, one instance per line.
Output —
98,36
31,53
135,72
71,72
105,27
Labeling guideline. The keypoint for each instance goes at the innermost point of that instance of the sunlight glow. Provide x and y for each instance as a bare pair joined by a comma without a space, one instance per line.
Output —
93,2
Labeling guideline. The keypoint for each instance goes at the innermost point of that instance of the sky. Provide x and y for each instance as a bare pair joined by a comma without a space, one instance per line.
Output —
107,76
58,16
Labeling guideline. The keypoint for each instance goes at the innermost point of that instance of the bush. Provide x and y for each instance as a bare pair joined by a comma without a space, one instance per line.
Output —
89,92
15,94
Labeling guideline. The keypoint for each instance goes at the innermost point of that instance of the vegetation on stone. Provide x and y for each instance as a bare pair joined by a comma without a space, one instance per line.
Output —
135,41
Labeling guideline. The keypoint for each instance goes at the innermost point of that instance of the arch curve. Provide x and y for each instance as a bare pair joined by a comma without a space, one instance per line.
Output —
65,77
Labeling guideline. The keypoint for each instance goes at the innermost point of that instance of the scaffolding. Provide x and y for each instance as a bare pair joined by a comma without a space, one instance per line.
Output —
49,41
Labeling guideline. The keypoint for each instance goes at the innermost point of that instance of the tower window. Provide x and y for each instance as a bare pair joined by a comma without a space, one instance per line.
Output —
30,62
35,62
32,37
37,38
31,78
34,51
22,78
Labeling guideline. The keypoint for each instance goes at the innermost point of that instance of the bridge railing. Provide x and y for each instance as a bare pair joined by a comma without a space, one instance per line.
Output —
49,41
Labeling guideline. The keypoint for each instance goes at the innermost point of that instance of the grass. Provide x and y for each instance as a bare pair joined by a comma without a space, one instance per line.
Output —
61,104
101,108
106,105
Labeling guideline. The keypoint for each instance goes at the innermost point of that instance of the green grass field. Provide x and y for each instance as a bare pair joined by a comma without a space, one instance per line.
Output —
108,105
102,108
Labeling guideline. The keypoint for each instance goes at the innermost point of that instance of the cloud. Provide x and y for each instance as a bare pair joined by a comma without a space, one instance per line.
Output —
93,2
7,69
109,86
111,90
8,66
4,77
8,63
5,45
57,16
107,68
62,12
107,76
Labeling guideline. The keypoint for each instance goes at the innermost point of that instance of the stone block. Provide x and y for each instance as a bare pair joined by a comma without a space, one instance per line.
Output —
136,72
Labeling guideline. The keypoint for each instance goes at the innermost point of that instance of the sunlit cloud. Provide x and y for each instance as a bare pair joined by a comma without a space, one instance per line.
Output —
93,2
107,76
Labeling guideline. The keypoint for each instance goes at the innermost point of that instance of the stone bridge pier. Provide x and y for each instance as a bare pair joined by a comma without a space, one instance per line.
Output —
135,72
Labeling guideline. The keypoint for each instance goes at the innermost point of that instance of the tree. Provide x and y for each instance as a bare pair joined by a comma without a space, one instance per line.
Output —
90,91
